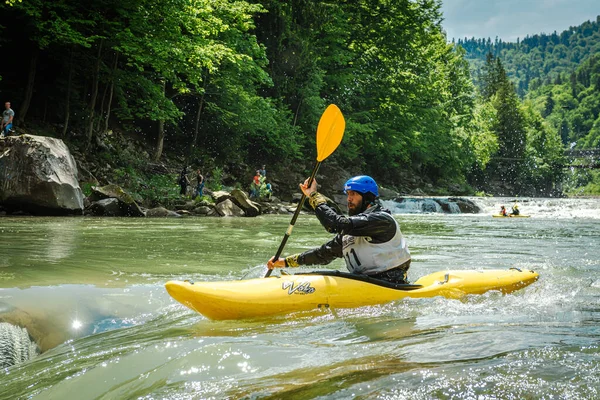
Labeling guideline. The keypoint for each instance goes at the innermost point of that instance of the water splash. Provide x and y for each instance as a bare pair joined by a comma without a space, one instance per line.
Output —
535,207
15,345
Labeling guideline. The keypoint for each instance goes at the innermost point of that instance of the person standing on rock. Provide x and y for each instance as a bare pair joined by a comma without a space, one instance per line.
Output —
255,185
369,239
199,184
7,119
184,181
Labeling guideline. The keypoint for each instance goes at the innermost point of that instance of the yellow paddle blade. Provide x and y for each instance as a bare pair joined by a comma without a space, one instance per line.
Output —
329,132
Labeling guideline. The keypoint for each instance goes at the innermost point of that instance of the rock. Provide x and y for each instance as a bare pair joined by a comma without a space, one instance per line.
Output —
161,212
466,205
213,213
228,208
220,196
251,209
109,207
386,194
39,175
188,205
203,210
456,189
128,205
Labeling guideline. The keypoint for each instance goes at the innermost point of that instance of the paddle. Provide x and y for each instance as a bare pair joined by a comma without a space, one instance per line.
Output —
329,135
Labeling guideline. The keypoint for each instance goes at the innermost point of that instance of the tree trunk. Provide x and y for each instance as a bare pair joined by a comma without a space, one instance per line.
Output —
95,83
198,114
297,112
101,112
161,132
22,112
161,138
196,128
68,99
110,93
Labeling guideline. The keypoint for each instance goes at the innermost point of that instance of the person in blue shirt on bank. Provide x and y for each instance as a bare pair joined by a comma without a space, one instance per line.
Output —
369,239
7,119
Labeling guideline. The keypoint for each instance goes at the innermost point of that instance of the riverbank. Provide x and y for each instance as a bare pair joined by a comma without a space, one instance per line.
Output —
124,160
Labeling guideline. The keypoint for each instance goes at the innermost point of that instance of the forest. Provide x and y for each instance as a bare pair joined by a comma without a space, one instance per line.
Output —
559,74
230,85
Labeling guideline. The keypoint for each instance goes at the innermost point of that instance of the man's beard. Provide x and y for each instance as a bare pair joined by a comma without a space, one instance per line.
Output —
356,210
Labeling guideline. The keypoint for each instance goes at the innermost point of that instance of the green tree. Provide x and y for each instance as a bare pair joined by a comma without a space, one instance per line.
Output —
509,127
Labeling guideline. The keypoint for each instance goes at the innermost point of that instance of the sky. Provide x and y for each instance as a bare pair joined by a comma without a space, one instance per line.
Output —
512,19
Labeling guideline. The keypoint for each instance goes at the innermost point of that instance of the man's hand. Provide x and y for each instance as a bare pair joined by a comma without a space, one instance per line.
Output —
280,263
308,190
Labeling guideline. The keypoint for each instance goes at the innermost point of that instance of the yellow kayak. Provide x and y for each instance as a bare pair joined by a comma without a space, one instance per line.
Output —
261,297
510,216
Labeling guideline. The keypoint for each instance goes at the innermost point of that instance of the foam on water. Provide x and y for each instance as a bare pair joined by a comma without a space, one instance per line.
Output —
535,207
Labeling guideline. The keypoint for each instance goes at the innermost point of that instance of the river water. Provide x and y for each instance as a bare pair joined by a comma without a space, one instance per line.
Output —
90,291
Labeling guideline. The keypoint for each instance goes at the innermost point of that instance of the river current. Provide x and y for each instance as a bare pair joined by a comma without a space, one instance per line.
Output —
90,292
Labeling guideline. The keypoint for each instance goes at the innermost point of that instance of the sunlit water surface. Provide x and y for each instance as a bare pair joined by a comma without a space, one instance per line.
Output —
91,292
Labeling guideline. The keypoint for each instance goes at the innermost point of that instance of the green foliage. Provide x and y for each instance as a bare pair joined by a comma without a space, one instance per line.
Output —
86,188
216,180
538,59
583,183
521,149
544,154
233,83
575,115
158,190
484,142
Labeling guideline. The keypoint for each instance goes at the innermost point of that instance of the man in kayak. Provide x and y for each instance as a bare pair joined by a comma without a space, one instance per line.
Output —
515,209
369,239
503,211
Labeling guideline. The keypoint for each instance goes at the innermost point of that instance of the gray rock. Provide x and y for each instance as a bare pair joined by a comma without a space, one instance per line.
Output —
161,212
203,210
466,205
39,175
228,208
386,194
220,196
109,207
128,205
251,209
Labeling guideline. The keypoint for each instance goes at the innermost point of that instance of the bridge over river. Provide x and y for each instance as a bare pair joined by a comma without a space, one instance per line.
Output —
590,158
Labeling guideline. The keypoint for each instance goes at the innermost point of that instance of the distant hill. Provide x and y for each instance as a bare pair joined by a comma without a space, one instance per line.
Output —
538,59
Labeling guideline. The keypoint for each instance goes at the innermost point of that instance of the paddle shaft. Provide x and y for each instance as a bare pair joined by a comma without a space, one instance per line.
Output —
294,218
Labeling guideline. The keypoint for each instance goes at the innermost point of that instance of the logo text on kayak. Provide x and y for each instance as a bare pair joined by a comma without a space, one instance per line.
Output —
301,288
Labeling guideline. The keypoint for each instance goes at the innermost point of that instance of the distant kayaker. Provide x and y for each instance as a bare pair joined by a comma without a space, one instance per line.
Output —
515,209
369,239
503,211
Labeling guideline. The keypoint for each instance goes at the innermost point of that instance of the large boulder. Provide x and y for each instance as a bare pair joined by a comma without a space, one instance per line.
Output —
251,209
106,207
128,206
466,206
228,208
38,175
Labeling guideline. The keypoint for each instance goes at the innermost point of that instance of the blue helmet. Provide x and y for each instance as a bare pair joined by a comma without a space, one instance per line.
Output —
362,184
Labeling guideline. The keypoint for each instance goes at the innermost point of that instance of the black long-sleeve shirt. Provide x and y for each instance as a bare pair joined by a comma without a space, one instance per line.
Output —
375,222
